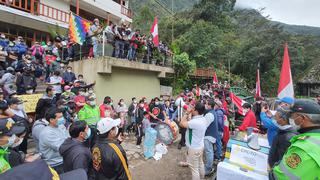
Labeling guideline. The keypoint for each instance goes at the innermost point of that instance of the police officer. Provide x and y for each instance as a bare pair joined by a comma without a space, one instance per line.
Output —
302,159
109,158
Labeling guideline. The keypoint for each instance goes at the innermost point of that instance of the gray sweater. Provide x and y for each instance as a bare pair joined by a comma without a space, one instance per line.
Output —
50,141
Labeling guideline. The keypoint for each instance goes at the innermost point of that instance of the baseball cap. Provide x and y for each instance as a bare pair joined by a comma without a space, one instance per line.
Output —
67,88
106,124
8,128
305,106
288,100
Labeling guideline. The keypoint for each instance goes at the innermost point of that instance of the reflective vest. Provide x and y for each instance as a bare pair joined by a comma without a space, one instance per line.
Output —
4,164
89,114
302,160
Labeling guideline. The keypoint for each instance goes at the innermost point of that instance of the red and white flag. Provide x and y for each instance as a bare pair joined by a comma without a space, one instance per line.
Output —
285,88
258,88
154,32
238,102
215,78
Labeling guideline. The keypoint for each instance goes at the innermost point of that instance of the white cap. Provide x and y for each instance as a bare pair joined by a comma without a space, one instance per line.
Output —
106,124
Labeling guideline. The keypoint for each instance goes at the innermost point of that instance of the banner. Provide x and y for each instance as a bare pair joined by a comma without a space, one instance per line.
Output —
30,102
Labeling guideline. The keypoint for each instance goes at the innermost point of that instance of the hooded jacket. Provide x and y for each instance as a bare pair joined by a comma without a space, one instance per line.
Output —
75,155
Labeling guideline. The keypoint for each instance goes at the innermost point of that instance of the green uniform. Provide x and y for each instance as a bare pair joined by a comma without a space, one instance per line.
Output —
89,114
302,160
4,164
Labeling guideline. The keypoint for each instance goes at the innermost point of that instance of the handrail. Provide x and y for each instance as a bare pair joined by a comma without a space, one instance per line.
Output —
53,13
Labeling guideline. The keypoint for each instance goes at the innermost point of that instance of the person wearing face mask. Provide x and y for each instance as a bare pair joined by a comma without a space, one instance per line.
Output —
285,102
67,94
106,108
249,119
80,99
26,83
56,81
268,122
281,141
8,138
196,125
301,161
139,118
75,154
90,112
91,92
157,112
51,138
109,158
132,111
46,102
68,76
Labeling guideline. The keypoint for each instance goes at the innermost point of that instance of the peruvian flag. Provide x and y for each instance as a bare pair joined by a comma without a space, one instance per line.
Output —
285,88
154,32
258,88
238,102
215,79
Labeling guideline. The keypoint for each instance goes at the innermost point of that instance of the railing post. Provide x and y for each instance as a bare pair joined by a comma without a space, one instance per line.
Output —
32,7
77,6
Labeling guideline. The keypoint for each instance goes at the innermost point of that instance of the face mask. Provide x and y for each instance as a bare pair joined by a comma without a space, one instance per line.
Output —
135,102
92,103
61,121
156,103
111,104
121,103
29,91
18,143
88,134
11,141
82,93
90,91
20,107
68,90
293,124
142,105
69,70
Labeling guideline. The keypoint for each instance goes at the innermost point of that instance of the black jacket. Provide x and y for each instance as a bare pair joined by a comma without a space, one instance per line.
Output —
106,163
75,155
140,116
280,144
43,105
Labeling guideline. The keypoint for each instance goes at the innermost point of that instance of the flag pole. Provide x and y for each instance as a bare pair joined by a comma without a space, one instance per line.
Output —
80,52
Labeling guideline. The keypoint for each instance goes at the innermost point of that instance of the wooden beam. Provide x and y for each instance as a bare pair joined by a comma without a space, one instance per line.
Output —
77,6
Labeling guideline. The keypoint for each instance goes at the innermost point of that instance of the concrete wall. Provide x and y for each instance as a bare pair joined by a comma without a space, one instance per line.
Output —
120,82
62,5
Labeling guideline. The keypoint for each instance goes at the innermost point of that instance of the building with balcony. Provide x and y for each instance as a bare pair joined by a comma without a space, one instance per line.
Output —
32,19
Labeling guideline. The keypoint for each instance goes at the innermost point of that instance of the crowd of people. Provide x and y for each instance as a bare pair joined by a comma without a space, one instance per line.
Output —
71,131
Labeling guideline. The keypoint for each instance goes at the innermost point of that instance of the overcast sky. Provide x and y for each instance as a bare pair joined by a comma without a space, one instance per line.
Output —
299,12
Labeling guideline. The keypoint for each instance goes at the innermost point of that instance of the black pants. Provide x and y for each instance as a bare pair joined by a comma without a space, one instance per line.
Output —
139,133
183,136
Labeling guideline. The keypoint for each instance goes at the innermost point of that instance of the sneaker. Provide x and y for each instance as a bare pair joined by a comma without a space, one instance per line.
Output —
138,146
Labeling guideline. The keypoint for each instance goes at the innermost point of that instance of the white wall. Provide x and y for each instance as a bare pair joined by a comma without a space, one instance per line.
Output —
63,5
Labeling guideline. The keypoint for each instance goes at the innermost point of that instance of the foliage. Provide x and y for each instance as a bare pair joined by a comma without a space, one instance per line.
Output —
183,66
215,34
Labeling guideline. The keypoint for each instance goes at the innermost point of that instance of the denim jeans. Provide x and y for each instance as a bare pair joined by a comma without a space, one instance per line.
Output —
119,49
95,50
209,154
219,146
132,53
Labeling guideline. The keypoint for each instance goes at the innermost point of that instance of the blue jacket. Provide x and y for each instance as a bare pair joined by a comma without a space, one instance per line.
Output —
4,43
272,129
220,119
69,77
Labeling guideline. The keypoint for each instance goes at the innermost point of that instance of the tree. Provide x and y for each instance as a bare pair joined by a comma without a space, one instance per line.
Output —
183,67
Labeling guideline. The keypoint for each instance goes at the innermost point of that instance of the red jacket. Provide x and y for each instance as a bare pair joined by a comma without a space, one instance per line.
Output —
248,121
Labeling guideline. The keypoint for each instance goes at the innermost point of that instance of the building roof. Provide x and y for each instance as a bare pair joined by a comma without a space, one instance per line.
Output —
312,76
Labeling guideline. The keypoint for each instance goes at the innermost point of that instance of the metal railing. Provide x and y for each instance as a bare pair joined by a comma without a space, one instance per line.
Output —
24,5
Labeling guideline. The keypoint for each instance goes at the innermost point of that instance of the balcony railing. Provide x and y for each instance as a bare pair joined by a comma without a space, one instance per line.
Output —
53,13
37,8
127,12
208,73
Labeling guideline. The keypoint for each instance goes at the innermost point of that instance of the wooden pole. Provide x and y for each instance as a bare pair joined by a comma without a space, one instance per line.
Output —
77,6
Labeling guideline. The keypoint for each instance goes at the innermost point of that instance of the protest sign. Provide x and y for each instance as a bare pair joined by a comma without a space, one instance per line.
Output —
30,102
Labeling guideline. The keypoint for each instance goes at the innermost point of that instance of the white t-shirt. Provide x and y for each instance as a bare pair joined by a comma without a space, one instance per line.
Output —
196,131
